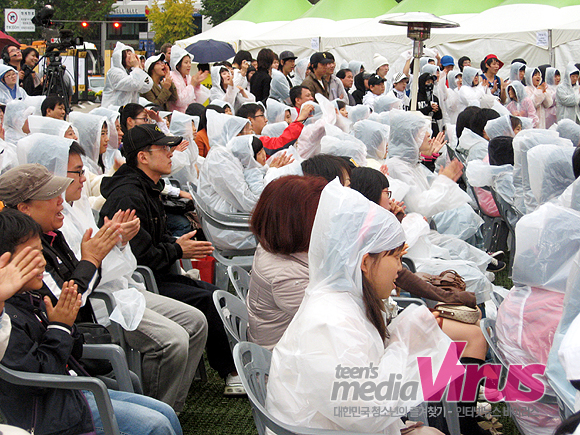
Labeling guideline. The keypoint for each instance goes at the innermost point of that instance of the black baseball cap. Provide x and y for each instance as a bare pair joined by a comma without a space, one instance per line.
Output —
141,136
286,54
321,57
376,79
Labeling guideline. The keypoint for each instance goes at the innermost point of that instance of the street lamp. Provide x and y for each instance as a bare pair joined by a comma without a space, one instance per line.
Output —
418,26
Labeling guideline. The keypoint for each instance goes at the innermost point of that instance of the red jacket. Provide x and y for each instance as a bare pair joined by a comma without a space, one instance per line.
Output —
290,134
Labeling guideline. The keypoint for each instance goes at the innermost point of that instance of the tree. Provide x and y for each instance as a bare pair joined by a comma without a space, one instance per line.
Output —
172,21
220,10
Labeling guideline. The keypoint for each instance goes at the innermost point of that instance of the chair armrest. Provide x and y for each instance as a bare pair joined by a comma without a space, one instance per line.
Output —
116,355
94,385
149,278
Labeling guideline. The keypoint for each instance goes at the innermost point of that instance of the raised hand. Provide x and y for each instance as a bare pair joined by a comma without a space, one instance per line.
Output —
193,248
130,224
16,272
281,160
67,307
95,249
453,170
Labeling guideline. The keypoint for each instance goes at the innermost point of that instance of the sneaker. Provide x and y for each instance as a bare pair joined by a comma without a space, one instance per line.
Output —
495,265
234,386
483,409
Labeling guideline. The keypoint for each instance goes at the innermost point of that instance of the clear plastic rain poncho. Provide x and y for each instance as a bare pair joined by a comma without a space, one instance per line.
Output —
547,241
472,145
274,130
567,96
183,162
8,158
122,87
429,193
355,66
524,141
515,71
522,106
224,188
46,125
556,371
551,114
387,102
113,153
5,94
15,115
375,136
501,126
550,171
358,112
570,130
331,326
300,71
279,87
222,128
89,133
470,95
338,143
449,100
118,266
275,111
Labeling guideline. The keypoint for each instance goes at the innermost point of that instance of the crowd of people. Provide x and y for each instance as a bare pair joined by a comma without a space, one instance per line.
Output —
342,181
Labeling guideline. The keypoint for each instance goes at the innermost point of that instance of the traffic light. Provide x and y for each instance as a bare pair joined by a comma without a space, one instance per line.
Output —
85,24
117,25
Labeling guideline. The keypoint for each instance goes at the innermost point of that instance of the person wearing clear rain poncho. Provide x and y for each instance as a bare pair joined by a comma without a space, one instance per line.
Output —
112,159
184,161
429,194
354,259
470,93
125,80
223,88
189,88
15,121
568,129
279,87
538,92
547,241
9,85
567,96
550,171
552,80
223,128
156,325
231,181
52,126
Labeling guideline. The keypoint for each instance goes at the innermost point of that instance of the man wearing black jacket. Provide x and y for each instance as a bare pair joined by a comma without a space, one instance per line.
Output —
137,186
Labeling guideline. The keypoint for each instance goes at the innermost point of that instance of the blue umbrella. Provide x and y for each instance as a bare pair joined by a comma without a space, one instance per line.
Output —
210,50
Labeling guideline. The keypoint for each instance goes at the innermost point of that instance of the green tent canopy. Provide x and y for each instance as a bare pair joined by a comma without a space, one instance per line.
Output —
444,7
348,9
262,11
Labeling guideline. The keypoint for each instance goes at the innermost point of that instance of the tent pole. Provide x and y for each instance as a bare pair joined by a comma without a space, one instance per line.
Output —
551,49
417,53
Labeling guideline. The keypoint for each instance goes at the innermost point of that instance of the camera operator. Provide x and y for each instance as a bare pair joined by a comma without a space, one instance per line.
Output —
31,82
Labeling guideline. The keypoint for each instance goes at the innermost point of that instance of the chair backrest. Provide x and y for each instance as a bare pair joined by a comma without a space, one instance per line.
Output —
408,264
507,211
253,365
496,298
240,279
404,302
96,386
234,315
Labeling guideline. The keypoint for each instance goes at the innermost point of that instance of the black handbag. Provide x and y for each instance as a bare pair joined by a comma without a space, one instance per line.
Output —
93,333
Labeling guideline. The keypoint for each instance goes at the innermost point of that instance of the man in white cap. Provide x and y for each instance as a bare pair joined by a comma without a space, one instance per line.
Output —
381,67
400,82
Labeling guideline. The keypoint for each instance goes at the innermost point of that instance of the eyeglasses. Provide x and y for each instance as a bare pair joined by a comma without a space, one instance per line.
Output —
145,120
79,173
257,116
165,148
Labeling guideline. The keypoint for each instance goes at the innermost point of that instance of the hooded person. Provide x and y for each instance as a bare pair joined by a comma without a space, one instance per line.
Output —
520,104
429,194
360,87
15,122
276,111
448,87
547,242
569,130
189,88
387,102
356,67
358,113
223,89
91,131
537,91
125,80
567,96
184,162
341,144
223,128
550,171
427,102
552,80
229,183
501,126
9,85
112,156
517,72
300,71
335,325
525,200
470,93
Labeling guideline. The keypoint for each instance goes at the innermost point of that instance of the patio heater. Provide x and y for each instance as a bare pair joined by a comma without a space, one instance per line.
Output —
418,26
